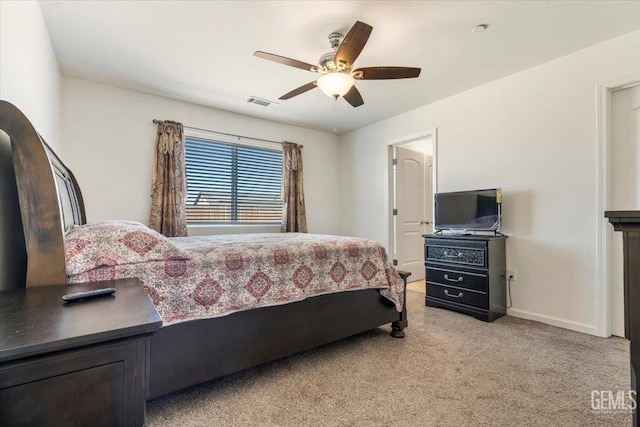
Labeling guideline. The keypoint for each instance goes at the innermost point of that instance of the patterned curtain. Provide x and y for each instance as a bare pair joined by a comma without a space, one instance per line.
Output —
169,183
294,217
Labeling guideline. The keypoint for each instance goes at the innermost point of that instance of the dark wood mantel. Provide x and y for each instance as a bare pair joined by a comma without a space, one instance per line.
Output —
628,222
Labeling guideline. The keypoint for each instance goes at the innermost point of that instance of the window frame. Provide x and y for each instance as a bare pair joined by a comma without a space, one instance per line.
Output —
204,228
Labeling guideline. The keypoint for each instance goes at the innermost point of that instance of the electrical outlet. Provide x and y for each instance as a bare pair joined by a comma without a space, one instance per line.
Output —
511,273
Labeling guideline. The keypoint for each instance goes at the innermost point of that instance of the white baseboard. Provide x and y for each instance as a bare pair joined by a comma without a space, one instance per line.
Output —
554,321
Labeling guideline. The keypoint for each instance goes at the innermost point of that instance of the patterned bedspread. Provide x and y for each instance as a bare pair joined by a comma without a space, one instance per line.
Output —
213,276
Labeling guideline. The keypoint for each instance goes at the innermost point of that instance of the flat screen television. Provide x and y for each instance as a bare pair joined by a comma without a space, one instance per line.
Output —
468,211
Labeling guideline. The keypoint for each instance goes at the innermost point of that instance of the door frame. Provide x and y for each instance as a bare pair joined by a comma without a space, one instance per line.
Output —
433,134
605,230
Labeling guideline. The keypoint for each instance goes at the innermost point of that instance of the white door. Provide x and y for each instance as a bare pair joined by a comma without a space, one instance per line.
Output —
413,183
625,186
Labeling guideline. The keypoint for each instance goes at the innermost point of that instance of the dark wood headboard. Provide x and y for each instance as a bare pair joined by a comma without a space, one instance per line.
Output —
13,255
48,195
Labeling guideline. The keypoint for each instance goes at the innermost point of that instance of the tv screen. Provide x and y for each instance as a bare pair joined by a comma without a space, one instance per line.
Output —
478,210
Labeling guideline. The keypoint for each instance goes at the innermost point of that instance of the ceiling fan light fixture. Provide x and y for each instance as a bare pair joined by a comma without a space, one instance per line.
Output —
335,84
336,79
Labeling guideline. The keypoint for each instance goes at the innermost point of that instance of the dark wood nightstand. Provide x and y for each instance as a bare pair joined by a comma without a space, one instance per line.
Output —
74,364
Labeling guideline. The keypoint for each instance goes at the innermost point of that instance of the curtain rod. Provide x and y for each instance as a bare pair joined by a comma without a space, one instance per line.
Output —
157,122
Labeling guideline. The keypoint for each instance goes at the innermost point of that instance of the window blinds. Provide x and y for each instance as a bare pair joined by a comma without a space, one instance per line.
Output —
229,183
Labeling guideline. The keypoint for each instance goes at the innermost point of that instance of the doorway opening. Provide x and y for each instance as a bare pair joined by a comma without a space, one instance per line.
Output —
412,183
610,174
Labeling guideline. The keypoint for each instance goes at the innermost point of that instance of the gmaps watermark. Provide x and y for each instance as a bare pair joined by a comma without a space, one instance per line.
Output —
613,400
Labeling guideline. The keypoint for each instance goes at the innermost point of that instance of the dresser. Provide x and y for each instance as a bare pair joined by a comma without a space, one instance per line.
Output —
628,222
75,364
466,274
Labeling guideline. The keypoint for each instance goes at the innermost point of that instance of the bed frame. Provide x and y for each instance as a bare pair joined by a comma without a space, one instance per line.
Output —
182,354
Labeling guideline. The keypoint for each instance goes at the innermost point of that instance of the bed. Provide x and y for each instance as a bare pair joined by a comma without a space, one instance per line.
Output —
189,350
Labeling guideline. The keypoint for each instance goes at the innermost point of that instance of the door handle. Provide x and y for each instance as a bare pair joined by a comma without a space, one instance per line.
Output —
425,222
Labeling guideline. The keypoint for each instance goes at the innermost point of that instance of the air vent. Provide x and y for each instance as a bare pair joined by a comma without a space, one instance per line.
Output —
260,101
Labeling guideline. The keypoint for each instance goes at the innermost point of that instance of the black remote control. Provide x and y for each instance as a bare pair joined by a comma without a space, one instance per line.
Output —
88,294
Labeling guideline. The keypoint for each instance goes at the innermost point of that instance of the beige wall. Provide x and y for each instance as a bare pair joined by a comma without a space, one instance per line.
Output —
533,134
29,75
109,141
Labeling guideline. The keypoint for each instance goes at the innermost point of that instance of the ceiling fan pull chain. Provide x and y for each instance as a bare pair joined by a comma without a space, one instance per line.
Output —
335,113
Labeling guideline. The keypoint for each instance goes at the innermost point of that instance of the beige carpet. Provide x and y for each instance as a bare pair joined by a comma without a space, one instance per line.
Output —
450,370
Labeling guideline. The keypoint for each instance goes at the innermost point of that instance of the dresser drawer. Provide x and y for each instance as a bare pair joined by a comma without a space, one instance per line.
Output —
456,255
459,295
478,282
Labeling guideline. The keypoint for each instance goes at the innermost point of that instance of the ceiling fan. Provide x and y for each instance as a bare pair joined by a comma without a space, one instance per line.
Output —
337,78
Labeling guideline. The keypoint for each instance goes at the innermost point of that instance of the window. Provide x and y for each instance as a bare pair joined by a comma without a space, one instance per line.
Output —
229,183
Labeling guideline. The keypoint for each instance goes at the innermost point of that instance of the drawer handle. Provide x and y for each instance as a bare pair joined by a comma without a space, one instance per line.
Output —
452,256
446,292
459,279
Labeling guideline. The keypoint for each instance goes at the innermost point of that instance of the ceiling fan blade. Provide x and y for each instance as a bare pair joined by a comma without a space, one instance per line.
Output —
353,43
300,90
384,73
353,97
284,60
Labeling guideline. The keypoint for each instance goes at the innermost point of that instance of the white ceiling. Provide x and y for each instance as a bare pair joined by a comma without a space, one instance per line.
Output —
202,51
